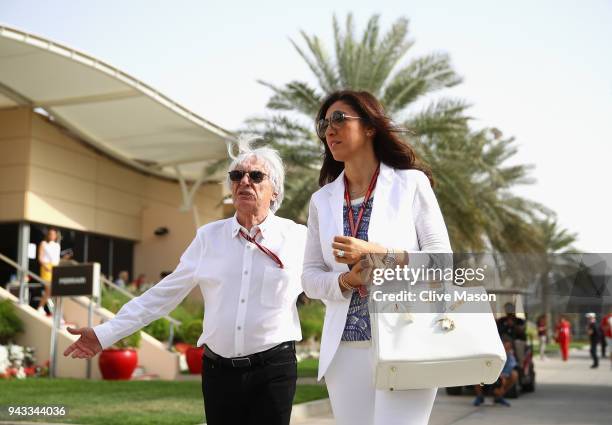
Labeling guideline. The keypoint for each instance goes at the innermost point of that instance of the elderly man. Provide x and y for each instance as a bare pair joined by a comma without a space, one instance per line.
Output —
248,268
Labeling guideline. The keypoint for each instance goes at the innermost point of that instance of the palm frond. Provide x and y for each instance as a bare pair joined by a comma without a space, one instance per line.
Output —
442,116
387,54
294,96
422,76
320,63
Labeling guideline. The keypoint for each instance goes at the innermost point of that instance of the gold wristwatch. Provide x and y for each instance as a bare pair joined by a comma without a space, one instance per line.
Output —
390,258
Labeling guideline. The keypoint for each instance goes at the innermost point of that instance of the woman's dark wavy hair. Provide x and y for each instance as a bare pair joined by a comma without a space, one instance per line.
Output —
388,147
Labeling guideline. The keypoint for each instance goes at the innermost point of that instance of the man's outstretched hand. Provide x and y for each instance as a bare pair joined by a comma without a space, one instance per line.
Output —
86,347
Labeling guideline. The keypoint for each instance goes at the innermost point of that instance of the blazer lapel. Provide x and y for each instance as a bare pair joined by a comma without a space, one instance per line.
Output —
336,203
382,208
334,220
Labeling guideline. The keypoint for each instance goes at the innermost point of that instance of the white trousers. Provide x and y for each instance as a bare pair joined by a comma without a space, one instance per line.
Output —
355,400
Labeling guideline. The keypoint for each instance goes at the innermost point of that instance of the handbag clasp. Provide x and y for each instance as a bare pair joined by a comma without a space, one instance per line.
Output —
446,323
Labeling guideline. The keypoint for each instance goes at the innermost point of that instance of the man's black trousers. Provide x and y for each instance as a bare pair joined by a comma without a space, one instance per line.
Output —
594,353
260,394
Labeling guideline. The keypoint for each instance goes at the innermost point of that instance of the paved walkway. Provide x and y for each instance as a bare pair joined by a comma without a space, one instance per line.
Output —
566,394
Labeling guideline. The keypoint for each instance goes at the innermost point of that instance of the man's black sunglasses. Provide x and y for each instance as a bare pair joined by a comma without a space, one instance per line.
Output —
254,175
335,120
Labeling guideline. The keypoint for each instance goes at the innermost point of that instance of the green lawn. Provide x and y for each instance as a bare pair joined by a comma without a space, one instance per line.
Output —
308,368
119,402
552,348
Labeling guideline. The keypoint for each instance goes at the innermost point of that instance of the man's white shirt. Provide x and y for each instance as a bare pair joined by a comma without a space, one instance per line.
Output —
250,302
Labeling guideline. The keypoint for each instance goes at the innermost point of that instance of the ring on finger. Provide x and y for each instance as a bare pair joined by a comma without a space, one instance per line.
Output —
340,253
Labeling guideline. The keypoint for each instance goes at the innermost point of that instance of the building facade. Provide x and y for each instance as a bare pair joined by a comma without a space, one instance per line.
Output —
105,210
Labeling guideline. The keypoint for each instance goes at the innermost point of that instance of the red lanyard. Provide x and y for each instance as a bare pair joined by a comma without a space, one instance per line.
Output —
265,250
363,291
347,197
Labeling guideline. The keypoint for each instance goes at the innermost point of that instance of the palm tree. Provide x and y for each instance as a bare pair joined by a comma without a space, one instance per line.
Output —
474,184
556,241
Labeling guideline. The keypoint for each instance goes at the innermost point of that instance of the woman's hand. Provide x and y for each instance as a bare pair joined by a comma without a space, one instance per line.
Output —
360,273
353,249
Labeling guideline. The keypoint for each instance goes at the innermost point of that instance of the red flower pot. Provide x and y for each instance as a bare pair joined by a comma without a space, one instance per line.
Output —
194,359
118,363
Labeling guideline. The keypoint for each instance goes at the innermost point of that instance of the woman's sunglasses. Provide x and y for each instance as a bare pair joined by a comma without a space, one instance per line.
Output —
335,120
255,176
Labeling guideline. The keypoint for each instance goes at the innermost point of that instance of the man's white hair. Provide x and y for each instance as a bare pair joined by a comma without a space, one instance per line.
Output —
271,159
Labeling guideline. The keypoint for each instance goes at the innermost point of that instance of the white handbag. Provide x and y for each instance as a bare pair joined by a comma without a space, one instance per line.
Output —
428,349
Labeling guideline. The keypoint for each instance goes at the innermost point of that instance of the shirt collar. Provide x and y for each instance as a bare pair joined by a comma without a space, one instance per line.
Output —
265,227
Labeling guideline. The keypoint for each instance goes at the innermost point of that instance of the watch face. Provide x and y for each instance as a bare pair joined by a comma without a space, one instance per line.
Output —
389,260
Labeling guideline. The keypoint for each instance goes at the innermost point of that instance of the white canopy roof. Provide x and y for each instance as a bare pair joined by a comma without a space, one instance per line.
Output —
106,108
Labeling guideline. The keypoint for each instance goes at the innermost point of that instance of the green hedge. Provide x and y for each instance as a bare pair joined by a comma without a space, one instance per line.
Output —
186,312
159,329
191,331
311,319
10,323
131,341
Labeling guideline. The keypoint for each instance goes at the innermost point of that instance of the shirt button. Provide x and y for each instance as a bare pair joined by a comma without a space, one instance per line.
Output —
239,328
246,272
240,354
242,300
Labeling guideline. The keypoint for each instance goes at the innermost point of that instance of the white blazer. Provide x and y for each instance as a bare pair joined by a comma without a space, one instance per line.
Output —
405,215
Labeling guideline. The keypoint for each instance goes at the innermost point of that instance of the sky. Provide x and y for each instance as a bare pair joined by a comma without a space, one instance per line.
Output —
540,71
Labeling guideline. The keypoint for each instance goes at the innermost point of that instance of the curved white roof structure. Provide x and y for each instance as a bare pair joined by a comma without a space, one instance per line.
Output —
107,108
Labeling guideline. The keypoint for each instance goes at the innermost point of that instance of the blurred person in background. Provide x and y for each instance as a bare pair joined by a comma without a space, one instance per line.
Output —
48,257
123,279
510,325
139,282
542,335
594,334
606,328
507,378
67,257
563,336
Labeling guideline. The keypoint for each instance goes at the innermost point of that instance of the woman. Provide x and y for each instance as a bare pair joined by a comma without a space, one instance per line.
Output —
606,328
48,257
563,336
542,335
376,198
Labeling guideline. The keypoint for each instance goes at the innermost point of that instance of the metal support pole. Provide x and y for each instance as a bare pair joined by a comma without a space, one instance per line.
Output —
90,313
22,259
171,337
86,248
57,321
110,260
189,194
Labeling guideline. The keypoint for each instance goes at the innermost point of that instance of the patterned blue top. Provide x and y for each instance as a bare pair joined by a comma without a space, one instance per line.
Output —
357,327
